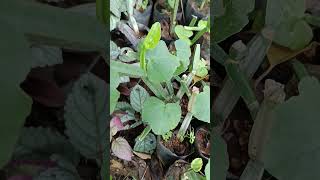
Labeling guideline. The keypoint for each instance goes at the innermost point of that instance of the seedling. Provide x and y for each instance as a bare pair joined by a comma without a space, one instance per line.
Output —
141,4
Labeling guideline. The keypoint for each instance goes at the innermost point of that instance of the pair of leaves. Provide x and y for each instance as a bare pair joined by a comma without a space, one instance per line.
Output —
286,18
232,18
292,150
159,116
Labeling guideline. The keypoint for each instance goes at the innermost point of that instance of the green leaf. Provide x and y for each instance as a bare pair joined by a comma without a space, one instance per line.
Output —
183,54
86,113
131,70
196,164
41,143
114,93
147,145
191,175
138,95
199,65
153,37
183,33
292,150
161,64
286,19
121,148
220,159
207,170
201,105
160,116
16,58
46,56
233,20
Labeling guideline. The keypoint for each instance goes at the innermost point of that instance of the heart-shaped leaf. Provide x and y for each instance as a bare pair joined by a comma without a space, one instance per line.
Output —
121,148
147,145
160,116
201,106
161,63
138,96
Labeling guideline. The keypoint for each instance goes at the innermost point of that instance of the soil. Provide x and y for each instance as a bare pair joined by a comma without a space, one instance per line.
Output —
175,146
203,141
196,5
176,170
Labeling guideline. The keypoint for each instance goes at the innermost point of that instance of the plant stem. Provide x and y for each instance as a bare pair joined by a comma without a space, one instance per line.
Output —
157,89
144,133
202,4
193,21
184,126
188,81
174,16
170,88
198,35
143,58
238,77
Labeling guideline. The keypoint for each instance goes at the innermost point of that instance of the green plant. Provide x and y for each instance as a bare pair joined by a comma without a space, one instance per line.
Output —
186,32
167,136
190,135
194,173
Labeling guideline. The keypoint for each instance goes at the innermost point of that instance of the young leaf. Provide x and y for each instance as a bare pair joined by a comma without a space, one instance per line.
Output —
161,64
235,18
153,37
201,105
147,145
121,148
196,164
85,114
138,96
183,54
160,116
183,33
